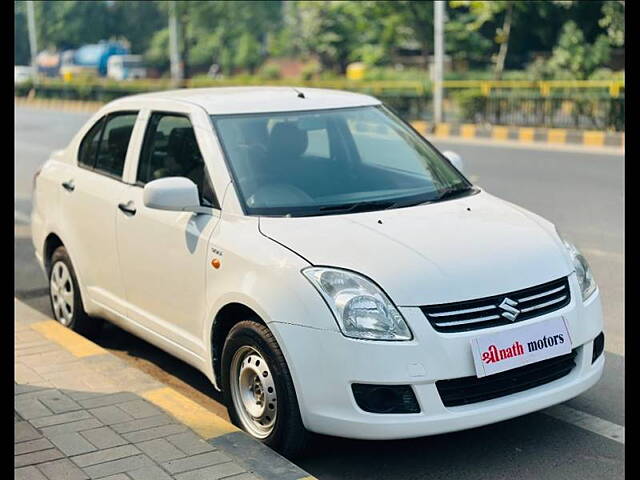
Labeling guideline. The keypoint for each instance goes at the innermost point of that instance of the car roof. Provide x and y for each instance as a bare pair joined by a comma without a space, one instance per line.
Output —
233,100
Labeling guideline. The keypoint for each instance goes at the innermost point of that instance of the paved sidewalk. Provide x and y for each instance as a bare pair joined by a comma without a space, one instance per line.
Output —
80,413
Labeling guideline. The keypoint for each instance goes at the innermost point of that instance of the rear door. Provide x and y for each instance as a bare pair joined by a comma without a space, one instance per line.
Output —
163,254
89,198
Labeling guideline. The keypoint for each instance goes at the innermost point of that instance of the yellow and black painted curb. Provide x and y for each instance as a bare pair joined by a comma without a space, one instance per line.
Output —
531,135
552,136
242,448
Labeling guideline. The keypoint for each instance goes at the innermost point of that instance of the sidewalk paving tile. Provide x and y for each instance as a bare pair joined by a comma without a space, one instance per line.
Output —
190,443
211,473
28,473
23,431
59,418
31,408
119,466
160,450
110,414
78,426
106,455
72,444
32,446
103,437
142,424
155,432
62,469
196,461
139,409
34,458
150,473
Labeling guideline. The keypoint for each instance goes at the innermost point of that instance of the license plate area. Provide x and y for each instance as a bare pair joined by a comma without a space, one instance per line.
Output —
498,352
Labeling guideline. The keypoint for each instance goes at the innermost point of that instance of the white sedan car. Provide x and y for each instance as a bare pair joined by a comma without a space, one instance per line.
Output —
324,265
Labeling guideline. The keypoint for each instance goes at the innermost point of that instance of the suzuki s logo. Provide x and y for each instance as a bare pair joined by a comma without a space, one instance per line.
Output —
510,313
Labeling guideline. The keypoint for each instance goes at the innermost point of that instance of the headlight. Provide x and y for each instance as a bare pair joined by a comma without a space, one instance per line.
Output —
361,309
583,271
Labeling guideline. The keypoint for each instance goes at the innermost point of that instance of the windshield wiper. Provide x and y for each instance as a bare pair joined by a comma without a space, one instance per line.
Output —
363,206
451,192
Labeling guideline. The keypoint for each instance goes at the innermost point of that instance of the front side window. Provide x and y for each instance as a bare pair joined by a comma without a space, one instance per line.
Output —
333,161
170,149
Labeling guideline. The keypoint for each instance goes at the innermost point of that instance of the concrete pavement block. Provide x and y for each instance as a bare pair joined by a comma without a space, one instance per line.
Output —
107,455
150,473
119,466
72,444
78,426
31,408
139,409
155,432
32,446
59,418
195,461
34,458
23,431
214,472
110,415
142,424
108,399
62,469
60,403
160,450
103,437
189,443
28,473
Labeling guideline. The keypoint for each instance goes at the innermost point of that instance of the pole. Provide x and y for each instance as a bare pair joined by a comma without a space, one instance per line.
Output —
31,25
176,62
438,23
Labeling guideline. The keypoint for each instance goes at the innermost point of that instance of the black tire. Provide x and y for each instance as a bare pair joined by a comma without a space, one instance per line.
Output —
288,437
80,322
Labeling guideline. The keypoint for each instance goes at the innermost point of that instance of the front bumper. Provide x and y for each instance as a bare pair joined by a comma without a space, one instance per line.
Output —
324,364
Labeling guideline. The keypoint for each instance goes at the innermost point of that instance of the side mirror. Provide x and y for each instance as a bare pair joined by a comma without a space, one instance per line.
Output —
178,194
455,159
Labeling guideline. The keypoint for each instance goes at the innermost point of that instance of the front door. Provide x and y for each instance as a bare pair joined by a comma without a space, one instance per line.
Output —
163,254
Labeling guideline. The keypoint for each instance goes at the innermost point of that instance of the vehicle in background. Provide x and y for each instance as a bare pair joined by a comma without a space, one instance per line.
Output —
95,57
22,74
48,63
126,67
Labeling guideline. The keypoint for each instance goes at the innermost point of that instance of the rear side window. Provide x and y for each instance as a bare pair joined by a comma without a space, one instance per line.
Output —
114,143
89,145
170,149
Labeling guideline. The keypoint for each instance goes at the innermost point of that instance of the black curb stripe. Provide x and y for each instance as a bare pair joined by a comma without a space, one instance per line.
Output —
257,457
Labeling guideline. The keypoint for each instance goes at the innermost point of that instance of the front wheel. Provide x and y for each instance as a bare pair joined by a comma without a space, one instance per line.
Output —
258,389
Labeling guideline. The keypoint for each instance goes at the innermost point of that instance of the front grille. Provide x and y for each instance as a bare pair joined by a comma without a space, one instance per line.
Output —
466,390
499,309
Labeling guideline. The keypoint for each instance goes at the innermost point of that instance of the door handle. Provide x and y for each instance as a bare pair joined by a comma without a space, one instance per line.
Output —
69,186
127,208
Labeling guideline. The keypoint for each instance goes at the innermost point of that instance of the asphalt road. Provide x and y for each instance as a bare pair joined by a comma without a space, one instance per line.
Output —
581,191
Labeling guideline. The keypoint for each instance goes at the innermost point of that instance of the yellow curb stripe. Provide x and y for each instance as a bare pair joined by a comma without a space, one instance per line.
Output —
420,126
308,478
76,344
467,130
593,138
500,133
199,419
557,135
526,134
442,130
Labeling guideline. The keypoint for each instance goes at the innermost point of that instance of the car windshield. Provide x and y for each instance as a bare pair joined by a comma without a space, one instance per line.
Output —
325,162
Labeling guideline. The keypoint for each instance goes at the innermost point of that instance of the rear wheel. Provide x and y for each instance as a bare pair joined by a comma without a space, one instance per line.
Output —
258,389
65,297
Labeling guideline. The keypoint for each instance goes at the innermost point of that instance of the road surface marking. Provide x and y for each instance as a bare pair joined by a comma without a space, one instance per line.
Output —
588,422
206,424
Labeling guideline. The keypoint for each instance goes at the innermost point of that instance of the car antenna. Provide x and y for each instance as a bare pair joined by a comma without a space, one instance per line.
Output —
300,94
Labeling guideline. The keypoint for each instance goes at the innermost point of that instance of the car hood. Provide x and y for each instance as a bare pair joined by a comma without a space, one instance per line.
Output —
449,251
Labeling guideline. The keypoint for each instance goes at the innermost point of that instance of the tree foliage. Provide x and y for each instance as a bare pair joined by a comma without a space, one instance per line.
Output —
576,36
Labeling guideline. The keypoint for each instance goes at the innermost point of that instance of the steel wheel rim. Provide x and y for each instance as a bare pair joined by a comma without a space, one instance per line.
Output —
253,392
62,293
